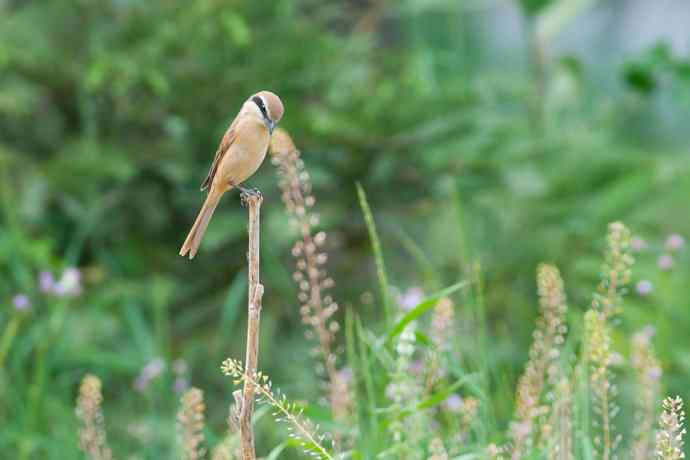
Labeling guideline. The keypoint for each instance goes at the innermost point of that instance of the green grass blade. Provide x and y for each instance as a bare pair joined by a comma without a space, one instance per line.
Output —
353,362
365,370
441,395
378,253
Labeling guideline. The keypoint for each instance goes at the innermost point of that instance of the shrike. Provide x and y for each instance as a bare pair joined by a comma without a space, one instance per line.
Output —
241,152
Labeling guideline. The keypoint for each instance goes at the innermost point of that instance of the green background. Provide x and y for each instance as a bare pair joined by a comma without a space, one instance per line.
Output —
501,132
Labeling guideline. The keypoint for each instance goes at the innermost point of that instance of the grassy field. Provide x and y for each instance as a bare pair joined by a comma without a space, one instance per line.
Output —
473,238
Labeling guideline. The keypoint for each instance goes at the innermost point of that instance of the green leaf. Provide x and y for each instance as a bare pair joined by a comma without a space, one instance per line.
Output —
442,394
422,338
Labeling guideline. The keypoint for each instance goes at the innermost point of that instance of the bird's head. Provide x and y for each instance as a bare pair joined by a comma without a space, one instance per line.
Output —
270,106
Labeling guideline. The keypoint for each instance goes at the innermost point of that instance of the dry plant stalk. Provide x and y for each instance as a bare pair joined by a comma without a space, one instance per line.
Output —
648,381
92,438
256,291
190,420
542,366
317,307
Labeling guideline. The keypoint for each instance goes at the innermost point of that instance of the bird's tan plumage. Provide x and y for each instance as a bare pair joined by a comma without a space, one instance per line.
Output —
240,153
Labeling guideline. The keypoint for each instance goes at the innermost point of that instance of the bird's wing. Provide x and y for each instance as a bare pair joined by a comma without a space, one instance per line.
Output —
225,143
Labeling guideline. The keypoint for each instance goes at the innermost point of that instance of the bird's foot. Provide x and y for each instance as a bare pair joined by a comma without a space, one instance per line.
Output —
248,193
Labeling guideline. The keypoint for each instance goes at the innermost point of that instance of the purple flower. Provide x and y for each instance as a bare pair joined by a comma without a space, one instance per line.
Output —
637,244
644,287
453,403
21,302
675,242
46,282
149,372
410,298
654,373
69,284
665,262
153,368
180,385
345,375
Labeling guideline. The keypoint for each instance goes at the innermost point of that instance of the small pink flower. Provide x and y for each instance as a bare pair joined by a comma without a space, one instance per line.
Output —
21,302
416,367
410,298
675,242
644,287
637,244
665,262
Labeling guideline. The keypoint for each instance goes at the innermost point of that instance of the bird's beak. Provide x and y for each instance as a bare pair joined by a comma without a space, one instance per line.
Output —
271,125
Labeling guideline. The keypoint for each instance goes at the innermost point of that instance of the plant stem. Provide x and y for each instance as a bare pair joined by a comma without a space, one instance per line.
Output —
256,291
8,337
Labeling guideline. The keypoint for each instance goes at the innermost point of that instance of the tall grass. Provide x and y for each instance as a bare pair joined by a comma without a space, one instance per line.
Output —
412,391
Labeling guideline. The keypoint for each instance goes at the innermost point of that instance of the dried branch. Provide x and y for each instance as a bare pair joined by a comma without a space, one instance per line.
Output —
256,290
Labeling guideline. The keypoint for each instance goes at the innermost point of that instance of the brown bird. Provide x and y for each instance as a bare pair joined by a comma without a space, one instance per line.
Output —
241,152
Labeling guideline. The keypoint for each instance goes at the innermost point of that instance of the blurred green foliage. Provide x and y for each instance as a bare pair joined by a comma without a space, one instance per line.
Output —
110,112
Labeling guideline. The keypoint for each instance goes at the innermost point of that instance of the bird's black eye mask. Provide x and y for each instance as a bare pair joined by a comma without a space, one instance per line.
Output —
260,103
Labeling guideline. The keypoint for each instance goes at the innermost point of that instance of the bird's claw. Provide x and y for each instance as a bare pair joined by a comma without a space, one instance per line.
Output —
247,193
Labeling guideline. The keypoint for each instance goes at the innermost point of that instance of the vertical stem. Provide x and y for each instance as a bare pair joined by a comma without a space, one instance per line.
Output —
8,337
256,291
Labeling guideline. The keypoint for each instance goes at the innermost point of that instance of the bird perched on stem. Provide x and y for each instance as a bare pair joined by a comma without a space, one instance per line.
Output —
241,152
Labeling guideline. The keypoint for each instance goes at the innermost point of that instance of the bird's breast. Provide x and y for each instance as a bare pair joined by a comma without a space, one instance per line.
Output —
246,153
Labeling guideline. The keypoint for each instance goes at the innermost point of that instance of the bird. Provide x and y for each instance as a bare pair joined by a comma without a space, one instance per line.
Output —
240,153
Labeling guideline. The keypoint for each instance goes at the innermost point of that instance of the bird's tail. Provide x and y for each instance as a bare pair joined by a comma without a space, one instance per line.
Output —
191,244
